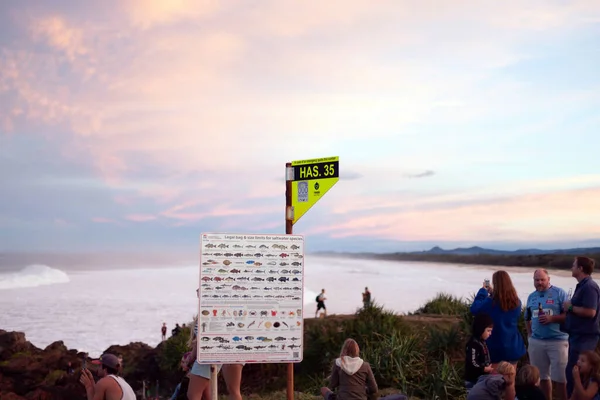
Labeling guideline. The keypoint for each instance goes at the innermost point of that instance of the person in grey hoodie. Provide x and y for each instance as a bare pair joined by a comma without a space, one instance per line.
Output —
499,385
351,376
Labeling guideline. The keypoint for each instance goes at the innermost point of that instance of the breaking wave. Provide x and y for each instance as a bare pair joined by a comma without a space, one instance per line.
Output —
32,276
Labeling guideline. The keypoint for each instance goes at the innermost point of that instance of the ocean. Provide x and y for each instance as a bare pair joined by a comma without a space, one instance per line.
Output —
91,310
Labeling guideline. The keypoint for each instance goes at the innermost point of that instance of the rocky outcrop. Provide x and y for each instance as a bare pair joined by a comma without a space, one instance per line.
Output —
27,372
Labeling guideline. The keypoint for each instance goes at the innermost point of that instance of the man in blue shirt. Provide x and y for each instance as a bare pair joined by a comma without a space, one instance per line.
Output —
583,315
548,345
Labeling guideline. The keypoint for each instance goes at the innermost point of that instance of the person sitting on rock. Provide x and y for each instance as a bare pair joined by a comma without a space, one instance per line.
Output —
110,386
350,376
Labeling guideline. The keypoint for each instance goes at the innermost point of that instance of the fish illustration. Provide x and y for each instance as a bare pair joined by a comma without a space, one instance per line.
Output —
218,279
229,279
235,271
262,246
257,264
236,339
259,271
272,271
267,288
238,255
297,288
295,271
283,264
250,262
296,280
273,346
272,263
222,271
237,246
206,278
206,254
224,347
257,279
250,246
293,346
249,338
206,347
247,271
210,246
223,246
228,254
284,271
205,339
258,255
248,255
271,279
226,262
296,264
284,255
294,247
216,255
259,347
270,255
279,338
243,278
261,338
283,279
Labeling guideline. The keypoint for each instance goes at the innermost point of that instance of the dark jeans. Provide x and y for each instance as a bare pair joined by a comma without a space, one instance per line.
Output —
577,345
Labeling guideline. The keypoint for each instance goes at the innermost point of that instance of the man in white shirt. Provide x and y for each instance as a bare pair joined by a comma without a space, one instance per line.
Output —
110,386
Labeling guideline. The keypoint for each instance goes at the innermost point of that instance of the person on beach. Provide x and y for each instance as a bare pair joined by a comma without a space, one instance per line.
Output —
175,331
527,384
582,315
163,331
548,346
499,385
110,386
366,296
586,377
477,357
321,303
501,302
351,376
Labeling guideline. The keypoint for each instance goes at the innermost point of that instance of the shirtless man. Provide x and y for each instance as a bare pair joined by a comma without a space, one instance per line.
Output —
110,386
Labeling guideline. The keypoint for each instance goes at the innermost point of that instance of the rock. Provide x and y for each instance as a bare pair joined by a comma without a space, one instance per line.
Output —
12,343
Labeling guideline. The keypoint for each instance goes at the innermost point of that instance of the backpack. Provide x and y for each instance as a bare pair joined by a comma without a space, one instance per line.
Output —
317,298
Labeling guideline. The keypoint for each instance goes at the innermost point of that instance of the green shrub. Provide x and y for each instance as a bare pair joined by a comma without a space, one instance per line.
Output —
53,377
173,349
445,304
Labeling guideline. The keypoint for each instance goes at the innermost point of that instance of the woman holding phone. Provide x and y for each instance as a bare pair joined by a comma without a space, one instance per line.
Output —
500,301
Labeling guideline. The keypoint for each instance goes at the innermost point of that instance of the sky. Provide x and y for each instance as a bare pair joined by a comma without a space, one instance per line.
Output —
137,125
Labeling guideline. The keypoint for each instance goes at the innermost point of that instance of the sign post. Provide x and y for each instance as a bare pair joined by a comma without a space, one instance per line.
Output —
306,181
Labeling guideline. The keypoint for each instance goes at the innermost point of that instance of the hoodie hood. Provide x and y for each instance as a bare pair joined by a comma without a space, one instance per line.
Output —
349,364
480,322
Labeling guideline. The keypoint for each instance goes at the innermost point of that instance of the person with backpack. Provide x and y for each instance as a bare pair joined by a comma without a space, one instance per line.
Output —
320,299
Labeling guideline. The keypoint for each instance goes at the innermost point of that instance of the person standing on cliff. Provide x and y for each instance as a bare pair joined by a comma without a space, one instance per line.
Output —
548,345
163,330
582,315
110,386
321,303
366,298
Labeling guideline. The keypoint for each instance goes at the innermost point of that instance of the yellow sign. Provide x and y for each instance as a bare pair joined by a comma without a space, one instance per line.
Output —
311,179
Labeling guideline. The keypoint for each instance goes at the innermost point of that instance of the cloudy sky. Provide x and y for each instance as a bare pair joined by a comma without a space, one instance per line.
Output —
139,124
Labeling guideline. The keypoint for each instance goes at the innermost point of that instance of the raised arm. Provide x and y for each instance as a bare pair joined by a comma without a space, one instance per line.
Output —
481,300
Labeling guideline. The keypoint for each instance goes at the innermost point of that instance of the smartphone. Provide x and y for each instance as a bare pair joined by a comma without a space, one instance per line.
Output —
84,363
487,283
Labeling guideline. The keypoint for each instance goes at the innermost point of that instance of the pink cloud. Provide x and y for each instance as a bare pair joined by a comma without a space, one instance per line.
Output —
547,215
140,217
102,220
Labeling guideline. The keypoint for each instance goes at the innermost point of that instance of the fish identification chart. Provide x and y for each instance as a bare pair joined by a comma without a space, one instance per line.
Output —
250,298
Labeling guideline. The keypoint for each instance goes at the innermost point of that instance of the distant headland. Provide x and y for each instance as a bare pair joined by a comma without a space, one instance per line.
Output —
557,259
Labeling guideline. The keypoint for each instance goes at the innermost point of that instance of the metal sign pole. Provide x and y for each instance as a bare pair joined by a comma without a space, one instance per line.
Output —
213,381
289,227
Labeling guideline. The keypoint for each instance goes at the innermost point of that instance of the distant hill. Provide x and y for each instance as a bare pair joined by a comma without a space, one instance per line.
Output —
480,250
558,258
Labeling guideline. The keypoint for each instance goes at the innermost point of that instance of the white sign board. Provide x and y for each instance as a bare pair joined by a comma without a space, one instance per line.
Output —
251,290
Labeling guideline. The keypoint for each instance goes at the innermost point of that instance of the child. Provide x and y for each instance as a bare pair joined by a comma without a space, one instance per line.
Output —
499,385
477,360
527,384
586,377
